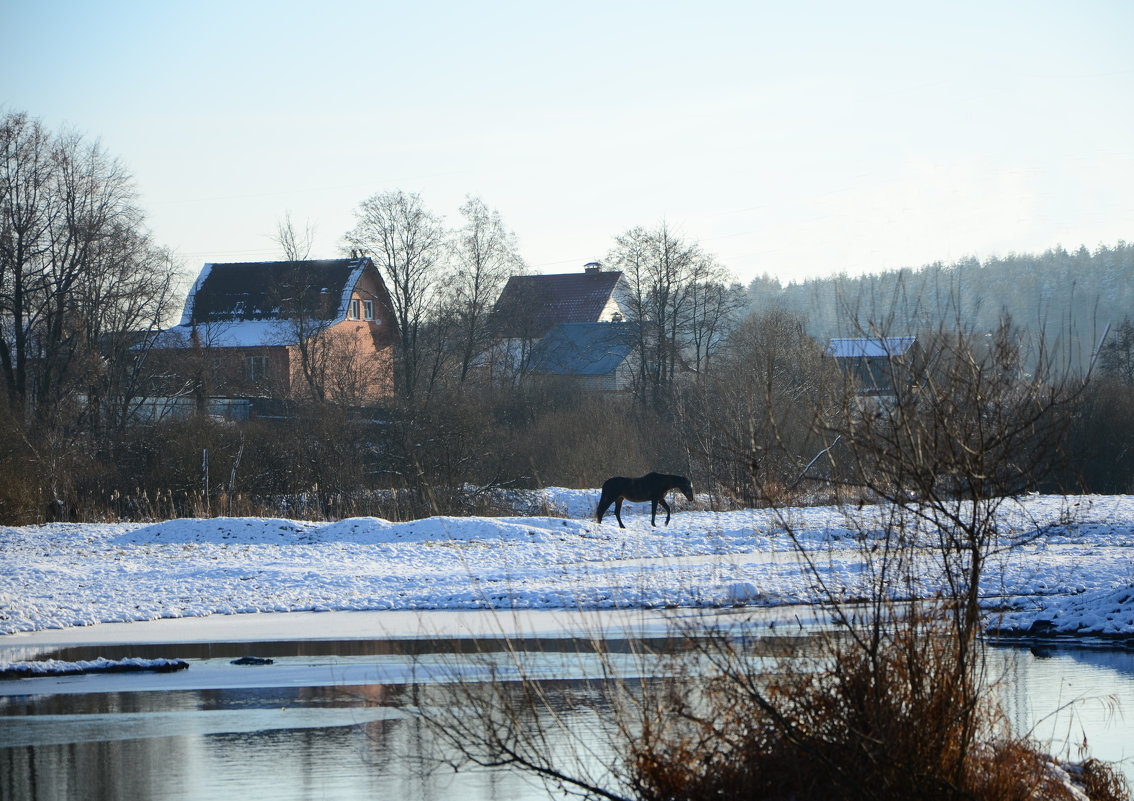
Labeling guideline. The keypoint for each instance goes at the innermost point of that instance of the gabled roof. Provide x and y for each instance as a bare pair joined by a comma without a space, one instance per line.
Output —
582,349
248,304
272,290
531,304
869,347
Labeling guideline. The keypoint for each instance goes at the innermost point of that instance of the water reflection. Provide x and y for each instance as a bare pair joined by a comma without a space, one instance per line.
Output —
407,647
353,742
292,744
1071,696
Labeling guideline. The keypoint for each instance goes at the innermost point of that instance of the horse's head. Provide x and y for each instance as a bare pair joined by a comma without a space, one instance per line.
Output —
686,487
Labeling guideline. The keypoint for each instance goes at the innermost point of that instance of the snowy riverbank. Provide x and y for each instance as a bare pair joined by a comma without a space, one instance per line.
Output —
1076,576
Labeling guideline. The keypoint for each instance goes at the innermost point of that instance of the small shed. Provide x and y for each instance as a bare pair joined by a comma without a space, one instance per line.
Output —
873,362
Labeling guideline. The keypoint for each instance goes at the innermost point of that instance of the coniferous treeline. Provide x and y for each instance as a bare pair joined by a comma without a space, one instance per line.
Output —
1068,298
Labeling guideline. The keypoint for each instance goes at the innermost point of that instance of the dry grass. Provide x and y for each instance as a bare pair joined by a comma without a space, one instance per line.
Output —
1101,781
904,720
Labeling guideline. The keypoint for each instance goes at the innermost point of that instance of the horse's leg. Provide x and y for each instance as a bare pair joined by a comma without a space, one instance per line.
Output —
653,512
666,507
618,511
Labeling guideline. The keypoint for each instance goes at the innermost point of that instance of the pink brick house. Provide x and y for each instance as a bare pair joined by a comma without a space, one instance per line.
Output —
297,330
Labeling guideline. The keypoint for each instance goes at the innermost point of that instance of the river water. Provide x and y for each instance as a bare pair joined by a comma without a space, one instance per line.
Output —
327,719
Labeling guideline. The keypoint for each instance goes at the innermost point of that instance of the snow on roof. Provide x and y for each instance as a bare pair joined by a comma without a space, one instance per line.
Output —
248,291
231,334
190,301
869,347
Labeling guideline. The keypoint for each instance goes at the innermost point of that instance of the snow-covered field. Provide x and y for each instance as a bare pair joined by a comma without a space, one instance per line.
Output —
1077,574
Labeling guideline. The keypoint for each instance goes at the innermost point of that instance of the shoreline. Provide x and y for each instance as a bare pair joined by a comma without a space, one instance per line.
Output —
268,627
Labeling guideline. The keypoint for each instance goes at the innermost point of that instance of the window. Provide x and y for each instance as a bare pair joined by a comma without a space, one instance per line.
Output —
367,310
256,368
353,313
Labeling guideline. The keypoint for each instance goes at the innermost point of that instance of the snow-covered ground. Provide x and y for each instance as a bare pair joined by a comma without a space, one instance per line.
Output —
1077,575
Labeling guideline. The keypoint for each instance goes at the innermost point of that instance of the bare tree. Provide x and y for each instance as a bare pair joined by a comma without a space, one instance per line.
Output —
95,199
715,301
82,292
485,256
295,244
333,364
966,429
309,313
517,325
336,365
1116,357
123,308
679,303
407,243
655,265
754,422
28,208
77,267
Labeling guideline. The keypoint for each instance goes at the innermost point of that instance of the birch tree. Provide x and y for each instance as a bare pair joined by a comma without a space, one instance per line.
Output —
680,302
485,256
407,243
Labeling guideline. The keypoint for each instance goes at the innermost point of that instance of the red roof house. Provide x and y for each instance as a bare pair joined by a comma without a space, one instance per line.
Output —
558,325
320,329
531,305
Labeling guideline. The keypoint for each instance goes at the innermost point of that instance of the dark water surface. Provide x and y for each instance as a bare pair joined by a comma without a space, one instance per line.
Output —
328,728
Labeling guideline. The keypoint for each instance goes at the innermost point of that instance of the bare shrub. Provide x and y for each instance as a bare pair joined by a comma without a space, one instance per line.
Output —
891,700
20,494
584,442
445,451
1101,781
752,422
709,712
1102,439
831,720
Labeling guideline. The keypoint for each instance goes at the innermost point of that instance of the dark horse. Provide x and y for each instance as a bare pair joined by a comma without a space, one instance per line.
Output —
651,487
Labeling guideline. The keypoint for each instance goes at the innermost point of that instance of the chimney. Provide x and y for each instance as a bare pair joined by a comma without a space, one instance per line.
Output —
592,267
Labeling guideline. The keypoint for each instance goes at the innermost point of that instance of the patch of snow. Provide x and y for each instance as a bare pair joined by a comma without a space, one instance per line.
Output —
56,667
742,592
1075,572
232,334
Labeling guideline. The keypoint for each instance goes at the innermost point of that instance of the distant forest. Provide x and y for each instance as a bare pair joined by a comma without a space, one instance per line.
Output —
1067,298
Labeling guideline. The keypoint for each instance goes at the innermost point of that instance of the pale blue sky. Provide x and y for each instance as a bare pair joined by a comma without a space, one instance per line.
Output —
797,139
